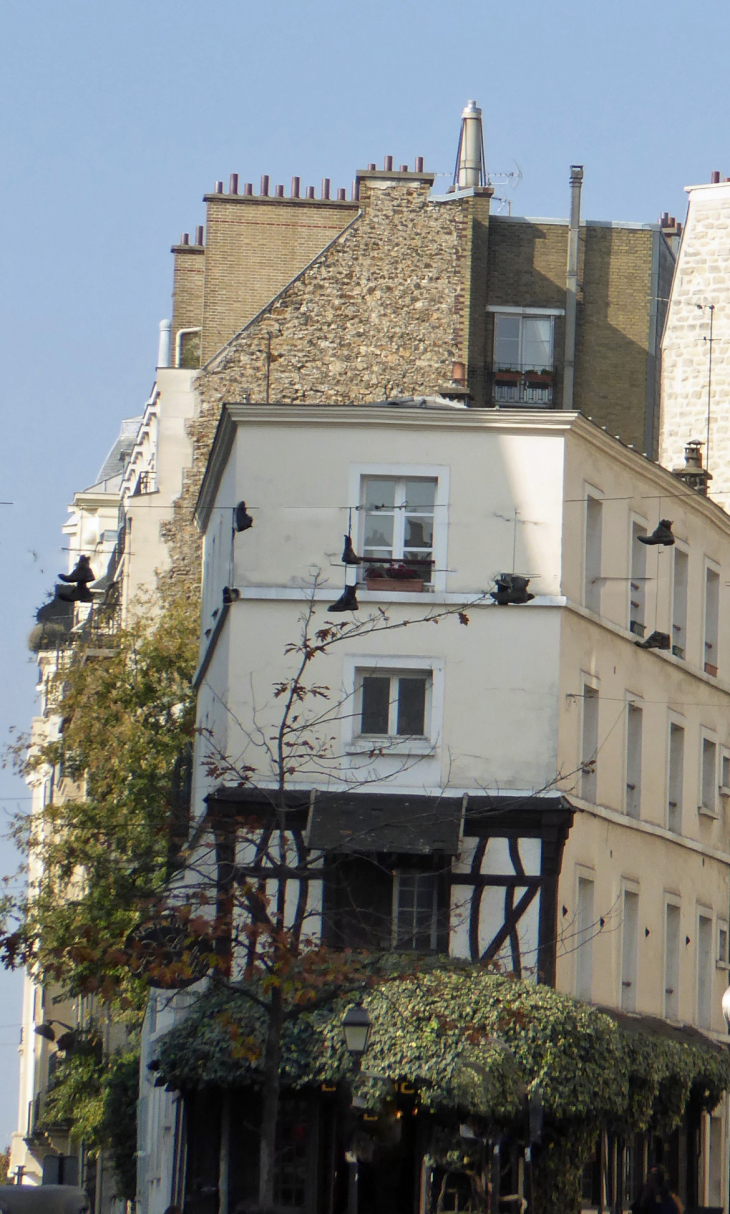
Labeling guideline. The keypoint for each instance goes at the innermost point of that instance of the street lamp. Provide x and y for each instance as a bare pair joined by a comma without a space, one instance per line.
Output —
357,1026
726,1008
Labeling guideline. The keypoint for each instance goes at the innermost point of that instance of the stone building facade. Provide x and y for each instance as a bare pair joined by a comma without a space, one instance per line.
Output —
701,291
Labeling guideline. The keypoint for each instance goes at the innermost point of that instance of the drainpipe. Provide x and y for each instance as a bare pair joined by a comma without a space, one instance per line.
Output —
163,349
571,285
178,342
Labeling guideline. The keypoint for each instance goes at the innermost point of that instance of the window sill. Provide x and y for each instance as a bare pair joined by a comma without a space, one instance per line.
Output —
386,746
704,812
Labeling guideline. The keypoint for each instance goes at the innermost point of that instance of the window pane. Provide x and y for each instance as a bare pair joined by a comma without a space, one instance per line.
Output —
379,494
507,341
419,533
379,531
536,343
411,706
420,495
416,911
375,704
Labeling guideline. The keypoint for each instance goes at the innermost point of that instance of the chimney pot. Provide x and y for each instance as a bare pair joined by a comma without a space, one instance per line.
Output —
342,195
371,168
199,232
310,191
388,164
672,222
296,185
248,189
403,168
234,183
280,191
185,238
264,185
325,187
715,179
355,192
419,164
665,219
458,373
219,187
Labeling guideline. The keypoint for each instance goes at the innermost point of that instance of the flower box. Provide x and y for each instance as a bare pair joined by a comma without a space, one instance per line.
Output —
412,585
539,378
508,377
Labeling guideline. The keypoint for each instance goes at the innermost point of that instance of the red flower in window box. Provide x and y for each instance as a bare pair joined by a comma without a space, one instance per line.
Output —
393,577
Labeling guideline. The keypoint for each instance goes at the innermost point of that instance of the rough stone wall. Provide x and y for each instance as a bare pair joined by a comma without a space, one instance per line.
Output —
701,278
187,288
254,247
383,312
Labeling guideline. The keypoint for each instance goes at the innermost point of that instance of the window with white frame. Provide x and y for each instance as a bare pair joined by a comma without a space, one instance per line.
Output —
676,777
708,790
629,943
722,958
585,932
671,960
393,703
398,522
704,970
637,582
725,772
592,561
634,730
679,603
712,617
523,343
589,757
415,911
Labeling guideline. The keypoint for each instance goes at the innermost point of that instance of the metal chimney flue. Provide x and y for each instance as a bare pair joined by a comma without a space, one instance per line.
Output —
571,285
471,168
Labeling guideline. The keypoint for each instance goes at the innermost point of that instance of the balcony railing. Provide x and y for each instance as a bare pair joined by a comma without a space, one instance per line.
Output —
527,386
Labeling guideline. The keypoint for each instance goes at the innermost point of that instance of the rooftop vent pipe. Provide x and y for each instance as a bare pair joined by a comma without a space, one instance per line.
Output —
571,285
163,349
471,167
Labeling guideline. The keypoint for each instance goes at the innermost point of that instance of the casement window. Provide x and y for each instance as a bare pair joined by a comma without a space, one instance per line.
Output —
634,730
629,943
705,969
637,583
592,562
585,931
398,521
722,959
672,917
708,777
368,905
676,777
415,911
523,343
393,703
712,616
589,756
679,603
725,773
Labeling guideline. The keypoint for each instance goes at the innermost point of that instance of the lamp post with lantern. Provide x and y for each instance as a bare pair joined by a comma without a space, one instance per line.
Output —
357,1028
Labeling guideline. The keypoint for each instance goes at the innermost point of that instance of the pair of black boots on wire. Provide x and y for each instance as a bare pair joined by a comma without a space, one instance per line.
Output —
348,599
77,582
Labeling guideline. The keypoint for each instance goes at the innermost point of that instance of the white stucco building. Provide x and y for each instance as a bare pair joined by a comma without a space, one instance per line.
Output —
590,776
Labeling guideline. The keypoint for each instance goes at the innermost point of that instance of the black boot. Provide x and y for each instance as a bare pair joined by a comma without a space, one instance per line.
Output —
657,640
79,593
81,572
347,601
660,535
511,588
349,556
241,518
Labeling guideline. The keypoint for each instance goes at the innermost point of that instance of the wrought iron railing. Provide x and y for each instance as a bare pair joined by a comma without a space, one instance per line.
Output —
522,385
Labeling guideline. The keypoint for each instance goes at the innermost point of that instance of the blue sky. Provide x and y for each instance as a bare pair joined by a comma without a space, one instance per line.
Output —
117,117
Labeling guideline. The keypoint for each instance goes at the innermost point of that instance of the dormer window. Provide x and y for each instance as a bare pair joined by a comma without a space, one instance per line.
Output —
522,365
